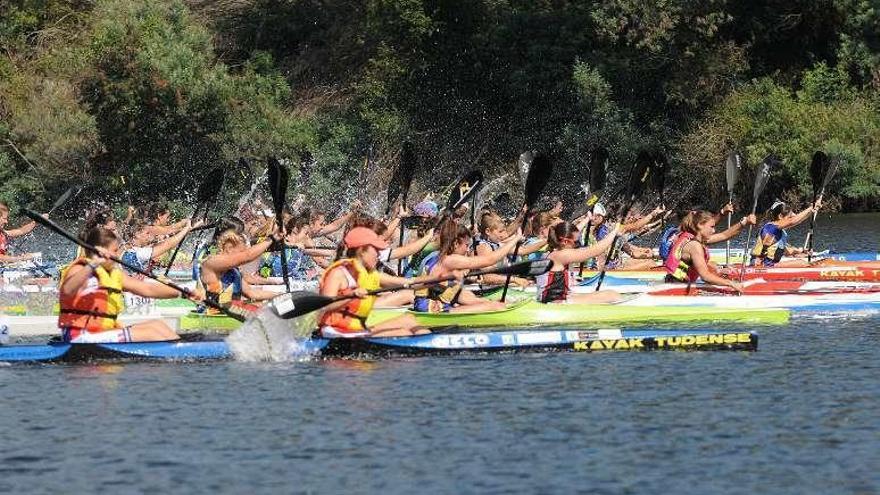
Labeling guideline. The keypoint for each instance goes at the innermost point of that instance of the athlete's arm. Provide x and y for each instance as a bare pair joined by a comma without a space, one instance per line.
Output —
459,262
146,289
566,257
24,229
219,263
255,294
732,231
697,255
412,248
166,245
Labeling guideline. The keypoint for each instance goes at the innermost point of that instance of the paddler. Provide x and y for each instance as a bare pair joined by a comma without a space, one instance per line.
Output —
493,232
644,257
6,234
667,239
772,242
555,285
91,297
688,259
141,253
221,275
452,259
357,274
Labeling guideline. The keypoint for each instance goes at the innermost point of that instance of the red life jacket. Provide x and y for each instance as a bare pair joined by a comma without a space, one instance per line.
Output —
4,242
677,268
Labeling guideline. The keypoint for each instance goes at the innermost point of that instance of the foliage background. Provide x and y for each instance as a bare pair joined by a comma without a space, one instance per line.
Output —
137,98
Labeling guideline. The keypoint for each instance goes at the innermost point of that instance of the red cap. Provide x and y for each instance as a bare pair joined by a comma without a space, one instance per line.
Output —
362,236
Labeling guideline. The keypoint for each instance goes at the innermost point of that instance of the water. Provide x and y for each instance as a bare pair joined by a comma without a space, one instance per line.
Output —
798,416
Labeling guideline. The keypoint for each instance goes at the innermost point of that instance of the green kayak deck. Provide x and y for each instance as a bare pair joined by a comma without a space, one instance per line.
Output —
532,313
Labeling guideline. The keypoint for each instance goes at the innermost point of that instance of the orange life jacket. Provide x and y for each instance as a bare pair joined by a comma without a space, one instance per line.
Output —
95,306
353,317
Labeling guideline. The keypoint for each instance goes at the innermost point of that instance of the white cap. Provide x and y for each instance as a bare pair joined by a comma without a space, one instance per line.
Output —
598,209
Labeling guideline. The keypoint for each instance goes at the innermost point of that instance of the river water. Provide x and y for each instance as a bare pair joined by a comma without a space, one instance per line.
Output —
801,415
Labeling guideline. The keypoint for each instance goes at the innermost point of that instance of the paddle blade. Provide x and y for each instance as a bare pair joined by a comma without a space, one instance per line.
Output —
733,165
403,176
278,177
818,169
762,179
539,176
833,165
640,174
298,303
465,190
659,167
211,185
598,173
63,198
524,165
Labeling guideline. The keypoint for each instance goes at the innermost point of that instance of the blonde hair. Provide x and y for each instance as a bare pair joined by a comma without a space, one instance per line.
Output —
490,221
227,238
692,221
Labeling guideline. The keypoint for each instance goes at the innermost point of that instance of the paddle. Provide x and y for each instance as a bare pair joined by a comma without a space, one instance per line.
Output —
658,182
406,170
464,190
88,247
760,183
598,173
821,169
303,302
278,177
208,190
57,204
539,174
524,164
733,164
638,177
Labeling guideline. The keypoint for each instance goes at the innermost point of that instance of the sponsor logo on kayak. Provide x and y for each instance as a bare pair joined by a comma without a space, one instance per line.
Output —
664,342
842,273
463,341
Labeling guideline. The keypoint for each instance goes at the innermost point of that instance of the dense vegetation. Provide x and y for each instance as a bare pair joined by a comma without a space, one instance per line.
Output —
138,97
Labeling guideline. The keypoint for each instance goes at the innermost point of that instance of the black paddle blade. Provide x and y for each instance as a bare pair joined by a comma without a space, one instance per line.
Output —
733,165
598,169
539,176
640,174
298,303
818,168
762,179
402,178
465,190
524,165
531,268
277,185
211,185
659,168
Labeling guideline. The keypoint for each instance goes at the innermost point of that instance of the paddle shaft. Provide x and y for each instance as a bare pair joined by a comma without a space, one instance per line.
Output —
192,220
613,250
88,247
729,216
515,254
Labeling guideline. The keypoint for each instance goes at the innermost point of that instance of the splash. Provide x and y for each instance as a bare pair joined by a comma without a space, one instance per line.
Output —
266,337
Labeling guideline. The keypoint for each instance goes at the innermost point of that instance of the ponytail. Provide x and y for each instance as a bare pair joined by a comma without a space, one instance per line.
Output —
564,230
691,222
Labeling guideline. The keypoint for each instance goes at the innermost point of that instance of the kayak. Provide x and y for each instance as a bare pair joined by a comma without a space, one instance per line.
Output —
849,272
719,255
753,287
453,341
529,312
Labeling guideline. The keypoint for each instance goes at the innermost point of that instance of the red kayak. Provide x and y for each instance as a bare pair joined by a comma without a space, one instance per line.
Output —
776,287
838,273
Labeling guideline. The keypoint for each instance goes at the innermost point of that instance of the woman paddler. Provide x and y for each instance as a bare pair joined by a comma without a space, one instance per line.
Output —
91,297
667,239
220,274
493,232
555,285
5,235
357,274
143,253
772,242
451,259
688,259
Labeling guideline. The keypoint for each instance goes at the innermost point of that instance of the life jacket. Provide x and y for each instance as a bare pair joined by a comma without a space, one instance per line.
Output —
553,286
130,257
415,262
96,306
667,239
299,265
676,268
492,245
353,317
610,263
4,242
436,298
227,289
772,254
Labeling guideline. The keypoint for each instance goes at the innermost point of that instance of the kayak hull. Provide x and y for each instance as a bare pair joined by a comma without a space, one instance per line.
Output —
531,313
456,342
